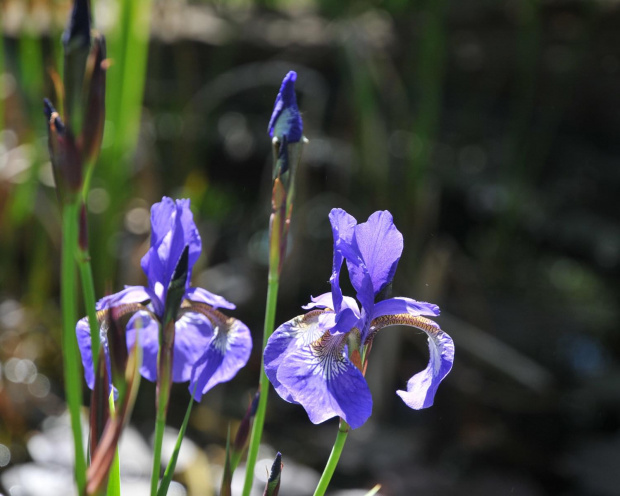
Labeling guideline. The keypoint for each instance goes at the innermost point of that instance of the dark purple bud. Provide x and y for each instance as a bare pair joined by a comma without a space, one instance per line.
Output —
94,111
273,483
77,32
243,432
64,154
285,119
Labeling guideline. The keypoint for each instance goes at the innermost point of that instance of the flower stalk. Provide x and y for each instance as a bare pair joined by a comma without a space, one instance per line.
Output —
286,130
334,457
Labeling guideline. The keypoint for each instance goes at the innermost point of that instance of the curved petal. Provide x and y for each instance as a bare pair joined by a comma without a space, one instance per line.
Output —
227,353
324,381
421,388
322,301
400,305
290,336
193,334
131,294
148,330
204,296
380,246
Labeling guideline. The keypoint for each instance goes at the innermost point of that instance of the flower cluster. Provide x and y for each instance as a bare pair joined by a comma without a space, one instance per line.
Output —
319,359
209,347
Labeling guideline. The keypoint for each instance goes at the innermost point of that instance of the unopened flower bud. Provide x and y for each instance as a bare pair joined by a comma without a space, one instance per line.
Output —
94,108
65,157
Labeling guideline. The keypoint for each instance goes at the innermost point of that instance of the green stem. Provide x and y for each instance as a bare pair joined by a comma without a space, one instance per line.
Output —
259,420
330,467
275,233
160,425
71,357
114,479
165,482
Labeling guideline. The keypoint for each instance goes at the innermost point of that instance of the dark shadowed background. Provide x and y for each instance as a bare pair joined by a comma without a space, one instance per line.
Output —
489,129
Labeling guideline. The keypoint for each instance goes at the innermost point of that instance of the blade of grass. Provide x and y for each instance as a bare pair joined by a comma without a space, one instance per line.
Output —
167,478
128,51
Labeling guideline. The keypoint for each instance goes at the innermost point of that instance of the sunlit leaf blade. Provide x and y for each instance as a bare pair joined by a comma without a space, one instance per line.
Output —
167,478
226,490
374,490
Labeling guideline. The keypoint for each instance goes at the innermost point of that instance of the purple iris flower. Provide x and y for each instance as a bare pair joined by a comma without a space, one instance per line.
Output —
319,359
209,347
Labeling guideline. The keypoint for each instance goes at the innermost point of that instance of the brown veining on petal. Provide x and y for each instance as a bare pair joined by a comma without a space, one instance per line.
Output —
427,325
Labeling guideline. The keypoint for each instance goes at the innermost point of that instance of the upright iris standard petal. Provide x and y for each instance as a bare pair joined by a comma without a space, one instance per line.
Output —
343,226
323,380
285,123
173,229
380,246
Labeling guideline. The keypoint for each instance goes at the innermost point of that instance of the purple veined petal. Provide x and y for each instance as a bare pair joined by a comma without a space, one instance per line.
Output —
400,305
324,381
204,296
147,329
380,246
193,334
131,294
292,335
227,353
421,388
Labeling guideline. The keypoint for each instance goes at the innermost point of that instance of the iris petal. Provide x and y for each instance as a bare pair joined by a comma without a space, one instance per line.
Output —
421,388
193,334
400,305
380,246
227,353
172,229
148,330
324,381
204,296
131,294
290,336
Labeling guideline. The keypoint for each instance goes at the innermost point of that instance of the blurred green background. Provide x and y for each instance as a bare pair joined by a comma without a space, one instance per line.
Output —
489,129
